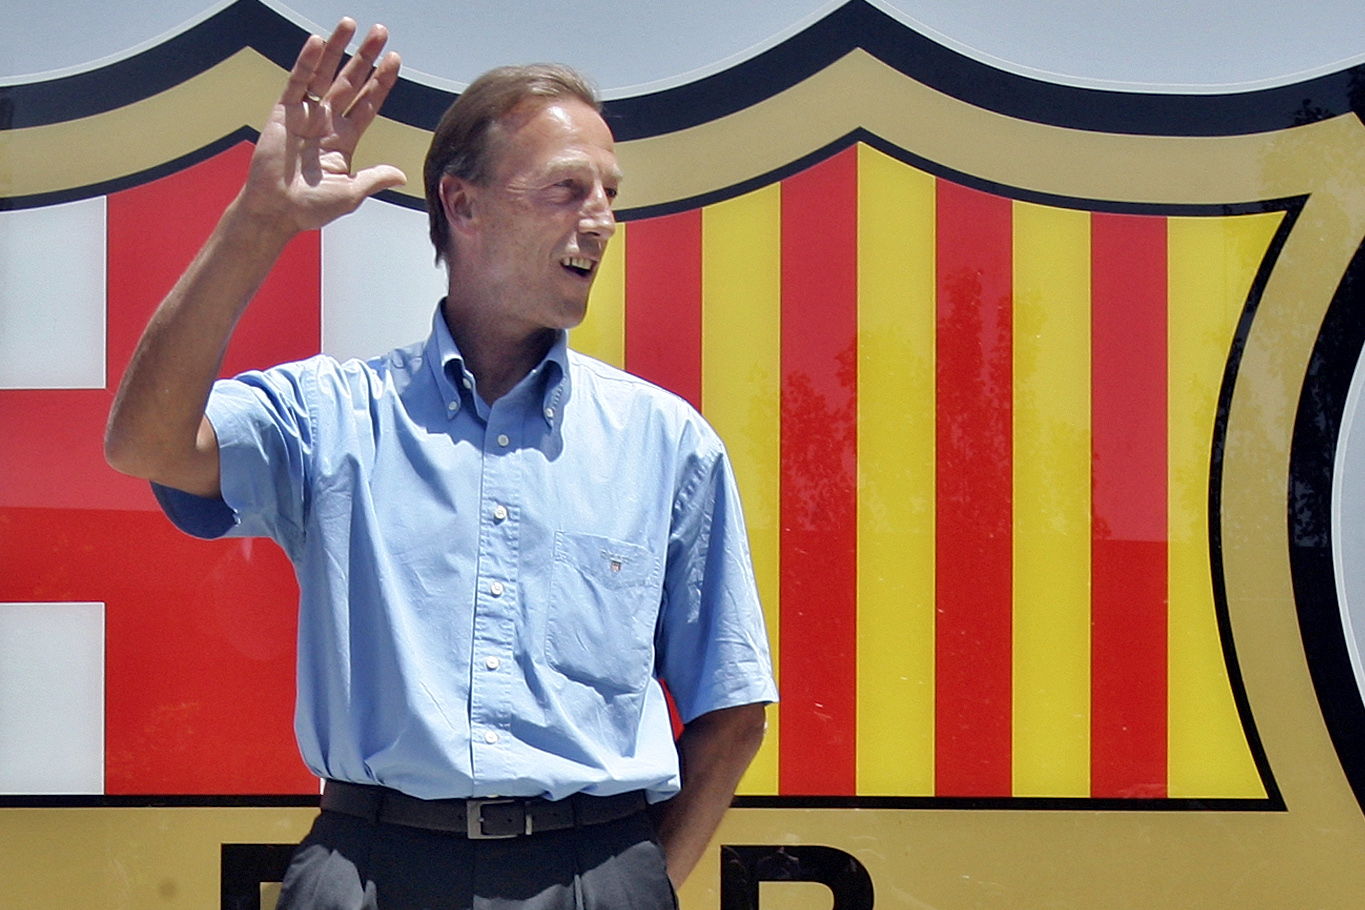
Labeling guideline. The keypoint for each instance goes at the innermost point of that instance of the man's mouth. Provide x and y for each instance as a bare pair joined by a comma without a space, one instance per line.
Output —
579,265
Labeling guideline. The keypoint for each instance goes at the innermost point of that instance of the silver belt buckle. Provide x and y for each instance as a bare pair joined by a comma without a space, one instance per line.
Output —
473,816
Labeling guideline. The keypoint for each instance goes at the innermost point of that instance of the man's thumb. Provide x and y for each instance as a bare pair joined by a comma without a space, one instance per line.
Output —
381,177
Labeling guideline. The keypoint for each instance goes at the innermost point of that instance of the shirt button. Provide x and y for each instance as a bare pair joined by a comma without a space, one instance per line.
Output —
468,383
496,588
549,413
454,405
490,737
503,440
500,512
492,663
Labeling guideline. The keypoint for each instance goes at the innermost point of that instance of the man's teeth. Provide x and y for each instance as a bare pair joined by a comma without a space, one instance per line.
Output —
578,263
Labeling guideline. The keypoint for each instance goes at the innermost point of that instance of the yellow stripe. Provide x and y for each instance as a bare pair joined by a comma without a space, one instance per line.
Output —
1212,264
741,389
603,332
1051,501
895,477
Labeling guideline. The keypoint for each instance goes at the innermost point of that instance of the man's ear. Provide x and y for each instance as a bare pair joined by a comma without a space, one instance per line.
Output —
457,199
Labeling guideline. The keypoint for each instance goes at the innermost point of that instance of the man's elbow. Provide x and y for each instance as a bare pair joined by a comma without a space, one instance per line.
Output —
755,726
130,453
123,455
191,470
744,727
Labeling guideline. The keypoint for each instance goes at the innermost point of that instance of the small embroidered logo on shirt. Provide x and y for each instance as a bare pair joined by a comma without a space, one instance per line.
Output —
614,562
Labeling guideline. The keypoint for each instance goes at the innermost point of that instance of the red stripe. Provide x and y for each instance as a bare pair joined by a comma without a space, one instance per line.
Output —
819,463
663,302
1128,376
974,486
52,453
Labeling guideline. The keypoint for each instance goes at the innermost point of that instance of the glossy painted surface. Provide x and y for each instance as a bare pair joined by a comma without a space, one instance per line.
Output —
1013,405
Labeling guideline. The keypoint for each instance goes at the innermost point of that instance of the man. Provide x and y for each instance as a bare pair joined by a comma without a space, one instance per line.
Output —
502,546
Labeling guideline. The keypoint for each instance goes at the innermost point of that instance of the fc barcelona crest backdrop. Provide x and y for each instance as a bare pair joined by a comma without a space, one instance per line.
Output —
1042,395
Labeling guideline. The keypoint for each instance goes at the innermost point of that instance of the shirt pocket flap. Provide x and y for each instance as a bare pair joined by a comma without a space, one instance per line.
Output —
613,564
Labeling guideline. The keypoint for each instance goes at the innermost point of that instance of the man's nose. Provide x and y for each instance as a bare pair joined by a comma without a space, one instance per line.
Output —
597,217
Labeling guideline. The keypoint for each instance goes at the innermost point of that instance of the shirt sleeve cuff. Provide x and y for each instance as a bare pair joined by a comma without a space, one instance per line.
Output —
198,516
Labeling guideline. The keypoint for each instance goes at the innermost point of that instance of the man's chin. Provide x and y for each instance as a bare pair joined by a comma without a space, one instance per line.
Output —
574,323
572,313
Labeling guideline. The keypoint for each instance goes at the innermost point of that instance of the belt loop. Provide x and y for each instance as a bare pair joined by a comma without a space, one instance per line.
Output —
377,805
579,802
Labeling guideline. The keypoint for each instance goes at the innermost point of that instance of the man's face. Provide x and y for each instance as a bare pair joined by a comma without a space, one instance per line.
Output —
543,221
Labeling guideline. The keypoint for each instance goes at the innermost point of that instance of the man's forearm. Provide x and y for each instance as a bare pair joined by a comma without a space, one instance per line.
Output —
156,424
300,179
715,749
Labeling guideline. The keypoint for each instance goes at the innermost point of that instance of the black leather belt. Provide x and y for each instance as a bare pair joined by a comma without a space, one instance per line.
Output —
479,819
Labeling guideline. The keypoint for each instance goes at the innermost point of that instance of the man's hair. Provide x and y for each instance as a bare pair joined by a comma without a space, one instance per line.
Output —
465,142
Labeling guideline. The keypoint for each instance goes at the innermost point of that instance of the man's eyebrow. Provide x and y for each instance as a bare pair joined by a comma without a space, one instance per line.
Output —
574,163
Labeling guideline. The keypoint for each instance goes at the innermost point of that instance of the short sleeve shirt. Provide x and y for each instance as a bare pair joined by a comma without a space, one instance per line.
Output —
490,597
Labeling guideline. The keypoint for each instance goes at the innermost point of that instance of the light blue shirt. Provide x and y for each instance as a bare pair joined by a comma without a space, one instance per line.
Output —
489,596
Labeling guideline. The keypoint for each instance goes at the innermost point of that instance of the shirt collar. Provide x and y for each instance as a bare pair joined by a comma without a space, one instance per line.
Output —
448,368
557,383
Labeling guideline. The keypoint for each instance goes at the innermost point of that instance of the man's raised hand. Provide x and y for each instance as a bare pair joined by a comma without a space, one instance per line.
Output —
300,175
300,179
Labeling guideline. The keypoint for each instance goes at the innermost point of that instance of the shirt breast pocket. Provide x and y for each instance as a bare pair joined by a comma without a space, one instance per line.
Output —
604,599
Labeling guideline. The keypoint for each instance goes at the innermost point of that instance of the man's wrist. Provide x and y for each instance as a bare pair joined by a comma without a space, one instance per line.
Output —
249,225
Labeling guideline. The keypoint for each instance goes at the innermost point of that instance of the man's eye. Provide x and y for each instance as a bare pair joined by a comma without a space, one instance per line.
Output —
611,193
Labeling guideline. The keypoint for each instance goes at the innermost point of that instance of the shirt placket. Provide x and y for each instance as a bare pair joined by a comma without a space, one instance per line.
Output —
497,604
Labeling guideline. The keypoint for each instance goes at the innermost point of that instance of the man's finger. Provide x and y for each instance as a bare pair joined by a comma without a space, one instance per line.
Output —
302,73
365,106
354,77
326,69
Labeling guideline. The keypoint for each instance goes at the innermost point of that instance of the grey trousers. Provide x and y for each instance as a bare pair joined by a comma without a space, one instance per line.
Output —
347,863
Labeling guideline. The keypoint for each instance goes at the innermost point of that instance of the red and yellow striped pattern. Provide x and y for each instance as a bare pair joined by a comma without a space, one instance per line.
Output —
973,436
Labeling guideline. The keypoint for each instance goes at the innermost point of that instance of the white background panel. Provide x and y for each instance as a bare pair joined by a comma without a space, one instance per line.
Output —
52,293
380,285
51,698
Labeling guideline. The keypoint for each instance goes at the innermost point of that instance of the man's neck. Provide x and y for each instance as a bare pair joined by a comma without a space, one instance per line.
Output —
498,355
